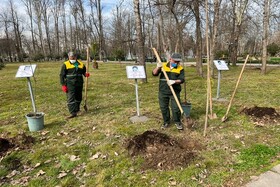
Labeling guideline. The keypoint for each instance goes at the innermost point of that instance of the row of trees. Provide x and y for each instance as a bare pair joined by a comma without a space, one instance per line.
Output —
48,29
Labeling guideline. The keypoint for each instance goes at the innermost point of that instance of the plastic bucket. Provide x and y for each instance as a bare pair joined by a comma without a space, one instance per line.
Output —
35,121
187,108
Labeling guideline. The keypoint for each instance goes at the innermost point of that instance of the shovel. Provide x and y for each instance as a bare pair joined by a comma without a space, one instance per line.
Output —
172,90
237,83
86,82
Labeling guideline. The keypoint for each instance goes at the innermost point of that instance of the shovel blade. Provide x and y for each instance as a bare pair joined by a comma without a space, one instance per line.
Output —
188,122
224,118
213,116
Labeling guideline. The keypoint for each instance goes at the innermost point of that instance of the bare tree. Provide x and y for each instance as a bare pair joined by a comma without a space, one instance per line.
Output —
56,10
64,26
38,11
239,7
28,5
170,25
17,31
178,10
266,13
96,4
82,18
45,11
140,38
213,42
117,41
7,41
196,12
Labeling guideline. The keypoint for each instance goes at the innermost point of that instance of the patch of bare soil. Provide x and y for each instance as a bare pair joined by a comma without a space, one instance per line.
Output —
161,151
262,115
10,162
21,141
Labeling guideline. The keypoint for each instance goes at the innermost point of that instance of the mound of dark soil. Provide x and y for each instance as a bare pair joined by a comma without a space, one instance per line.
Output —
161,151
4,145
21,141
262,115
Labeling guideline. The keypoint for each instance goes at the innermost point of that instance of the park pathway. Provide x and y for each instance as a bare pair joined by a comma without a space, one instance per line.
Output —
270,178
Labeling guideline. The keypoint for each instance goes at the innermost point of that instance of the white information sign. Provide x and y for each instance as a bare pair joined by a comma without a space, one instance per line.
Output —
135,72
221,65
26,71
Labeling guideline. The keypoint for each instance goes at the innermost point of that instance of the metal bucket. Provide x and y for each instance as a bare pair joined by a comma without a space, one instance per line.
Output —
35,121
186,106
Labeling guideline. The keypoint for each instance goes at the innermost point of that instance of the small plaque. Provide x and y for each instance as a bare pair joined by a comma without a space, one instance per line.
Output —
26,71
221,65
135,72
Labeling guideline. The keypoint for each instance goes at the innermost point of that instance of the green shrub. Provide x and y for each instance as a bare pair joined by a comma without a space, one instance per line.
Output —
119,54
38,57
273,49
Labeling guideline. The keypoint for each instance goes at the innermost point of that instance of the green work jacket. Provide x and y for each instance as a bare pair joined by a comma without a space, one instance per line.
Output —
173,74
72,74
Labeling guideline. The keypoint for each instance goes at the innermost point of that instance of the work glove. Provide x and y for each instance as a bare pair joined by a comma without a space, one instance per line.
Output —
64,88
87,74
159,64
170,82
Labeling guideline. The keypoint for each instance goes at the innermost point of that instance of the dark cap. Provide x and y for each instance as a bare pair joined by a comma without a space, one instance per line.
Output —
176,57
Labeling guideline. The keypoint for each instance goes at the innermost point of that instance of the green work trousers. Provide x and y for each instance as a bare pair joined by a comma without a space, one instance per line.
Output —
74,98
164,100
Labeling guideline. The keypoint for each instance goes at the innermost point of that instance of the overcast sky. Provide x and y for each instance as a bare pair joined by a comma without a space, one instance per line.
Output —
107,5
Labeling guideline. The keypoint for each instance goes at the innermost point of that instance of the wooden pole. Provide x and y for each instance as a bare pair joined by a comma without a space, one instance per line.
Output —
232,96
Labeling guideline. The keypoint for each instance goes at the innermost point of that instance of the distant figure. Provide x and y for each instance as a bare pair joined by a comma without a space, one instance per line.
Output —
71,79
95,64
175,73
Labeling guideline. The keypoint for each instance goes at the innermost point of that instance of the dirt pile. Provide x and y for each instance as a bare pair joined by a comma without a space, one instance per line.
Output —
161,151
5,145
21,141
262,115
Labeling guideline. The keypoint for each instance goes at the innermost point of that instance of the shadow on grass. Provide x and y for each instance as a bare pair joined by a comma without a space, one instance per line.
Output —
54,124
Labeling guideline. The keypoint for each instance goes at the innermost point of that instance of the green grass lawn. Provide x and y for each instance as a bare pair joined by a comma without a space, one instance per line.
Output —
89,150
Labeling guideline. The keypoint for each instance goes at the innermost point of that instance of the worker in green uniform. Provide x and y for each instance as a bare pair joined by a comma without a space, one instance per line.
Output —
175,73
71,79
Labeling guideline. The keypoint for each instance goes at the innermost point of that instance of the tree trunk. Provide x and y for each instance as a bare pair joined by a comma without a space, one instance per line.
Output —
239,7
56,14
28,5
15,22
101,34
64,28
8,39
162,36
198,40
46,24
265,35
140,38
213,43
38,11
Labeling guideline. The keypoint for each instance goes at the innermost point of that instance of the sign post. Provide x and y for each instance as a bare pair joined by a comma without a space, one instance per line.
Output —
136,72
36,119
221,66
28,71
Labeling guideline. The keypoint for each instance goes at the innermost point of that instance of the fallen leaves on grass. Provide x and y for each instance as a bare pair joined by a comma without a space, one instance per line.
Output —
74,158
61,174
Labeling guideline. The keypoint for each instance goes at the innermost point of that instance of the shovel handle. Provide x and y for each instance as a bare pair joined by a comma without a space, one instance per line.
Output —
86,83
167,79
237,83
